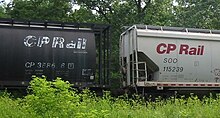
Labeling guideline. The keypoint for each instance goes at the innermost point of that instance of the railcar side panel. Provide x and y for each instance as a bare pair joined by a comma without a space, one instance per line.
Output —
25,51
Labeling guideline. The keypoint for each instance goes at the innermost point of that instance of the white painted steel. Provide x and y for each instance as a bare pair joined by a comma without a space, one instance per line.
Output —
192,58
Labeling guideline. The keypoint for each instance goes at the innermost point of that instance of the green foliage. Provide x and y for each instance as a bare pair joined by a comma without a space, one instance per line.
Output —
198,13
82,15
58,99
40,9
47,99
160,13
10,108
2,9
1,12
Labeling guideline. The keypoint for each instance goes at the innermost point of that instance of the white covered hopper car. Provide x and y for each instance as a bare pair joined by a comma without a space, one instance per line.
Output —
170,58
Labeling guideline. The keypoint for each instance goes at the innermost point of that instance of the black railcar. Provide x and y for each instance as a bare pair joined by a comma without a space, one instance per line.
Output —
78,53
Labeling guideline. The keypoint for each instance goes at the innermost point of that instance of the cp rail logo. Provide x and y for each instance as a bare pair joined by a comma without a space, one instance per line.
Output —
57,42
163,48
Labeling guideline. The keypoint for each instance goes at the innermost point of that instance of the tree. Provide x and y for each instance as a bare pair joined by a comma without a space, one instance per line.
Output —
2,9
1,12
40,9
82,15
198,13
106,7
160,13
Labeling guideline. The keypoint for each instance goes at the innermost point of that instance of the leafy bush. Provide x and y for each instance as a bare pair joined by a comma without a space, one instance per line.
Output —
58,99
47,99
51,99
10,108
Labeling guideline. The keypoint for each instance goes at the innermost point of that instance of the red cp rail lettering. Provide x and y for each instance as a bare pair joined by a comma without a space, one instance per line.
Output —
165,48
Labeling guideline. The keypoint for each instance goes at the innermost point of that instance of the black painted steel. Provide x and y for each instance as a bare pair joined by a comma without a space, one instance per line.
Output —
53,49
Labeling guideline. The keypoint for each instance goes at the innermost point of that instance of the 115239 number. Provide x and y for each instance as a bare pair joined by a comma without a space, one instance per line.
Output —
172,69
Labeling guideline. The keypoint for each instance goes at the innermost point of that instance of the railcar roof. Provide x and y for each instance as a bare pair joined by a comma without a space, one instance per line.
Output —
174,32
176,29
53,24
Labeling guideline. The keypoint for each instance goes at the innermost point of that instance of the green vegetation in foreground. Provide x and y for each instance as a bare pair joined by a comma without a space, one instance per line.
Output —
47,99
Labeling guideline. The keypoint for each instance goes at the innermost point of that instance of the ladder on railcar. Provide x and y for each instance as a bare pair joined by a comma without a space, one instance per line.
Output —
140,71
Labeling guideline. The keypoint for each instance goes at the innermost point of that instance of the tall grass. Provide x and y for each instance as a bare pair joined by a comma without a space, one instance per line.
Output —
49,99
